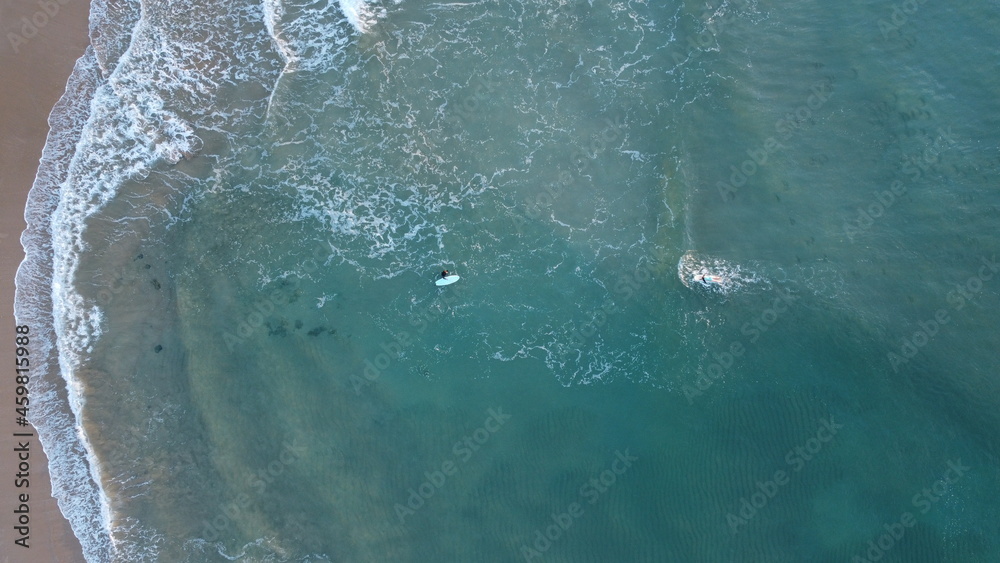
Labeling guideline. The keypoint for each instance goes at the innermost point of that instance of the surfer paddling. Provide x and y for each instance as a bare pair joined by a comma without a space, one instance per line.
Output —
708,279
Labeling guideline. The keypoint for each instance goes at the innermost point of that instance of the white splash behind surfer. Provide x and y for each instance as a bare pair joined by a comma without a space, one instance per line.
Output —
700,271
358,13
709,279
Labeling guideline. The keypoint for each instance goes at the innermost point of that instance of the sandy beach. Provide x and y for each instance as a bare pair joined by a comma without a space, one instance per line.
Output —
41,42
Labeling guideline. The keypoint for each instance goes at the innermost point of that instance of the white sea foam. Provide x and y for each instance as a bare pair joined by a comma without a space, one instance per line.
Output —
79,497
274,10
125,110
111,24
358,13
734,276
310,37
394,219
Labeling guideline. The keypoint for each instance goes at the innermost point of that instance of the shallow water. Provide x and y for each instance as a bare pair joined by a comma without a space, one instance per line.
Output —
244,244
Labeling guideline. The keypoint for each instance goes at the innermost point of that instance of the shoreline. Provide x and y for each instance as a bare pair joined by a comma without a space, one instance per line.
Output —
39,48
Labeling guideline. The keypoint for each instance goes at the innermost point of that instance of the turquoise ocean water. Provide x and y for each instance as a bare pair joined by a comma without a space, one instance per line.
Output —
242,207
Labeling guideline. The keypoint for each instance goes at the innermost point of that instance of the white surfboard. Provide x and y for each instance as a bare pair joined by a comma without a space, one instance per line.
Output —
448,280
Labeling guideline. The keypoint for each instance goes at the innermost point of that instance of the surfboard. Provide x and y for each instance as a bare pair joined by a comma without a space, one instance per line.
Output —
709,280
448,280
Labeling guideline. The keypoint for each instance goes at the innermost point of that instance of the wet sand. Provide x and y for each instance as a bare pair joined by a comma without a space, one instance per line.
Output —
37,51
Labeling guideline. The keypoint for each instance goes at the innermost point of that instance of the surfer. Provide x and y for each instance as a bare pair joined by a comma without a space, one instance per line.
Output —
446,278
708,279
